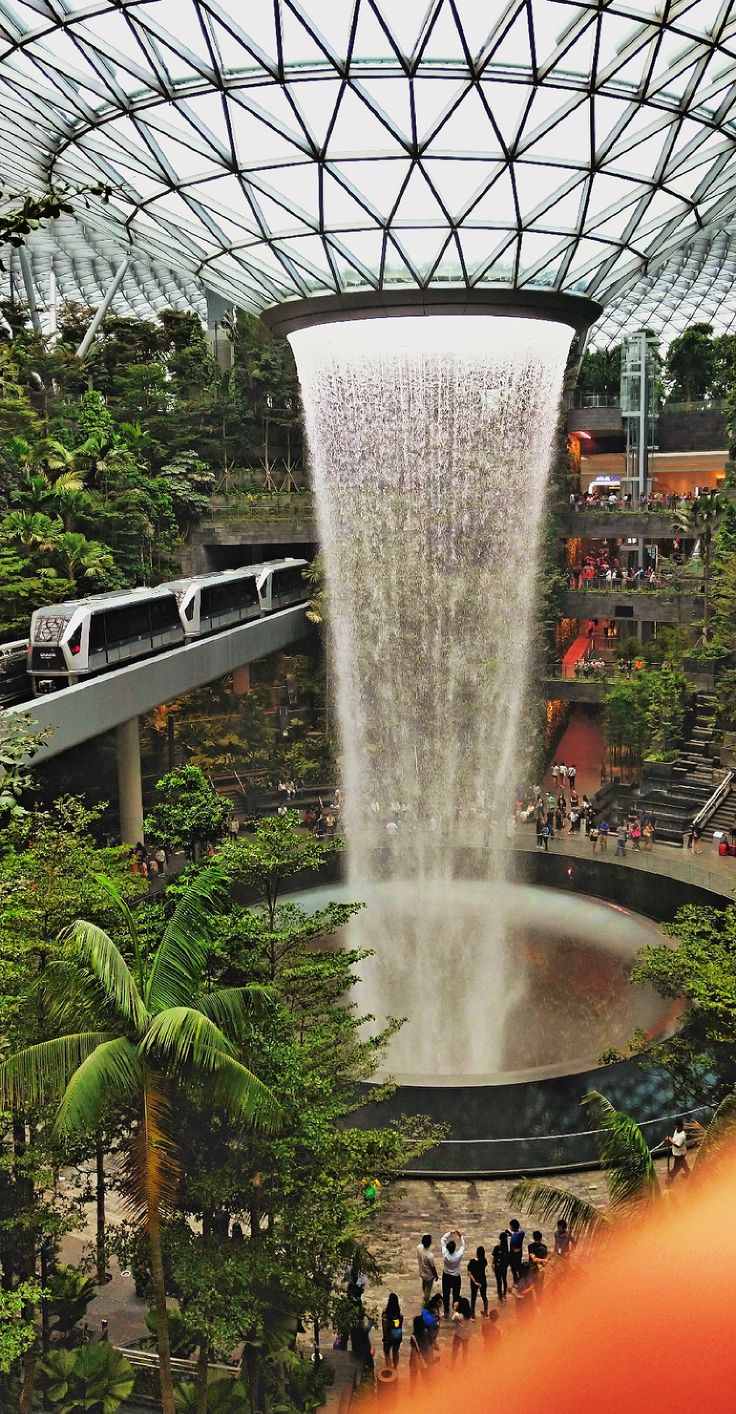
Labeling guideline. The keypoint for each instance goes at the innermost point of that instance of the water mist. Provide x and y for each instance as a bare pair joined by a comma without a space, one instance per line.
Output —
430,442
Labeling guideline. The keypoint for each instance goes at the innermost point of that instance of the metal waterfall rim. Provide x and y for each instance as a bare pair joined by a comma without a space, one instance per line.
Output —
577,311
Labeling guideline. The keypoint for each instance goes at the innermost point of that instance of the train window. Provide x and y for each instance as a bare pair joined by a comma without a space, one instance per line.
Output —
189,610
248,590
205,606
74,644
164,614
288,581
125,624
97,633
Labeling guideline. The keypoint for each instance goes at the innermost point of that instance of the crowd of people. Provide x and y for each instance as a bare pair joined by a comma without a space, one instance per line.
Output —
601,570
556,812
611,499
324,820
149,863
454,1294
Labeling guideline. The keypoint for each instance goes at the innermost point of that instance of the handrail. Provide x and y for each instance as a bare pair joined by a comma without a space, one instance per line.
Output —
711,805
574,1134
181,1365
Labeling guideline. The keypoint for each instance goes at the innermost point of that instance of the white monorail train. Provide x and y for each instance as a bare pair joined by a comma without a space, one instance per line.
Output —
84,637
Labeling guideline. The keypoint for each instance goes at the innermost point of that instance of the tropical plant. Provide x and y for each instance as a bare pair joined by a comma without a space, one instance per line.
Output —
224,1396
700,517
188,813
94,1379
70,1293
700,1056
149,1027
630,1172
24,211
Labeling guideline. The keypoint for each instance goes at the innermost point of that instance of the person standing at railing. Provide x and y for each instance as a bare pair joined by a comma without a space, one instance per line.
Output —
678,1166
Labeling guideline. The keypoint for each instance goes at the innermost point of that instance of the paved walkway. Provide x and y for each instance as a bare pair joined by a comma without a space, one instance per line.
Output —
706,869
581,744
481,1211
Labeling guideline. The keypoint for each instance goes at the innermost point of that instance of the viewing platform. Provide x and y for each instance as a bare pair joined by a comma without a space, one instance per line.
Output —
643,605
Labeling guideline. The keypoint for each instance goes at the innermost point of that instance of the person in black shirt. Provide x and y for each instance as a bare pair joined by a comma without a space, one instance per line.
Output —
477,1267
500,1259
538,1256
516,1247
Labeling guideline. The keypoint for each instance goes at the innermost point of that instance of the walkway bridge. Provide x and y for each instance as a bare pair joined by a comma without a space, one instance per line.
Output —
116,700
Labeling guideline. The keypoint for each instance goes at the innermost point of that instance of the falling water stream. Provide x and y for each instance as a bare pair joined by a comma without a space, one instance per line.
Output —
430,441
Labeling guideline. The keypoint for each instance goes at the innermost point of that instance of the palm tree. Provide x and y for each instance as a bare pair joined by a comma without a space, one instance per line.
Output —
80,558
33,530
699,518
625,1156
630,1171
151,1026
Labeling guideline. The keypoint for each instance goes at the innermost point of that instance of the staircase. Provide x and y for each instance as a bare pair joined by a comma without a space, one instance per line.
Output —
695,775
699,756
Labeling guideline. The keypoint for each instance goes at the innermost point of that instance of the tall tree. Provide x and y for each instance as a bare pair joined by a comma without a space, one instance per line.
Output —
148,1026
691,365
700,517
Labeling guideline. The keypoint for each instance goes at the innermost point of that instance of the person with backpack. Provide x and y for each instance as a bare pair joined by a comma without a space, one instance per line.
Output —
392,1326
422,1354
431,1315
516,1235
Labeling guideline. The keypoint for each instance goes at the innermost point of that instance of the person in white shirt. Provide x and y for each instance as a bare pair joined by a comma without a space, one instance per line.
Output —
453,1248
678,1152
427,1266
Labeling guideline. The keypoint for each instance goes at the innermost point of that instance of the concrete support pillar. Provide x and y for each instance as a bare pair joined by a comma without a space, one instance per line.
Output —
241,681
130,787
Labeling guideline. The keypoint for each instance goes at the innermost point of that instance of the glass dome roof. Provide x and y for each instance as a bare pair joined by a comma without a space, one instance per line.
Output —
280,149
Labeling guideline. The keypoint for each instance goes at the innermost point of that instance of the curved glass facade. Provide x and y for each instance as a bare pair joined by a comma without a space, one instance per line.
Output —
281,149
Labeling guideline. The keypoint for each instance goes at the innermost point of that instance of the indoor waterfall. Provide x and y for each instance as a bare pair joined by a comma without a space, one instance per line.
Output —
430,441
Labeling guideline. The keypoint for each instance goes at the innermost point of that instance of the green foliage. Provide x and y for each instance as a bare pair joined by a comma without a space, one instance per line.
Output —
629,1168
188,813
298,1192
26,211
624,1154
94,1379
644,714
600,371
180,1339
548,1202
17,1323
723,579
225,732
276,851
70,1293
20,739
701,1055
224,1396
49,874
690,365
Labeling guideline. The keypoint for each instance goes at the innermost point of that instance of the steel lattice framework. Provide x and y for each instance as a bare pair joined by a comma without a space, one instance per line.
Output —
278,149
